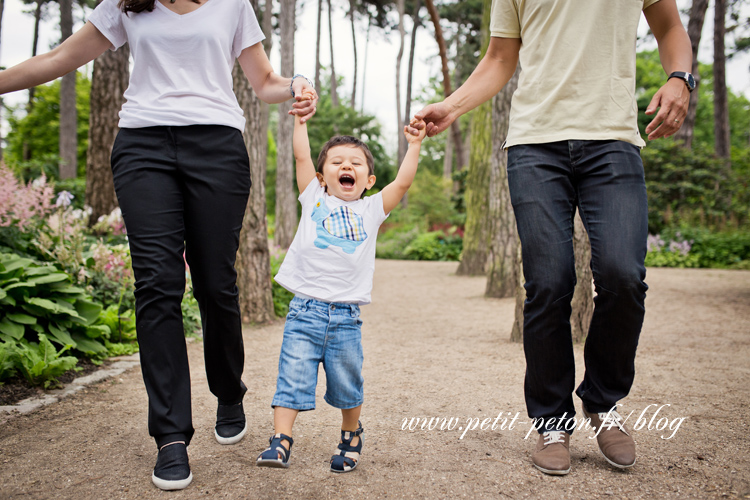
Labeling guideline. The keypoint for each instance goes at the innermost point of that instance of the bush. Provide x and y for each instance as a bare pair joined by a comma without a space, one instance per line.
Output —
281,296
435,245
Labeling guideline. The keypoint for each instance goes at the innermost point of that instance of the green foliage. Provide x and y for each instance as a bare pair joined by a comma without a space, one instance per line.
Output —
435,245
40,300
8,357
692,187
39,130
191,315
41,364
281,296
725,249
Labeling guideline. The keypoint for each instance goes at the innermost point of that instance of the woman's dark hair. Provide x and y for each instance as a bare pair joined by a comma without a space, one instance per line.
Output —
345,140
139,5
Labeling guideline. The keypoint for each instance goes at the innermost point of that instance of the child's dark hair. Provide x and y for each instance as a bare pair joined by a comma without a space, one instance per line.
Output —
345,140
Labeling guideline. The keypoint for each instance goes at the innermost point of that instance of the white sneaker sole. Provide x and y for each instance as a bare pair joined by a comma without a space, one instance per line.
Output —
231,439
164,484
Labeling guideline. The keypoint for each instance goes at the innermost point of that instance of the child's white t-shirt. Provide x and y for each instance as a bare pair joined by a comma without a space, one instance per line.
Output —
332,257
182,64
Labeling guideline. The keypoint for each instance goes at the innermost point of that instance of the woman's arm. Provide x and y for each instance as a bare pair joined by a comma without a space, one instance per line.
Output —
273,88
82,47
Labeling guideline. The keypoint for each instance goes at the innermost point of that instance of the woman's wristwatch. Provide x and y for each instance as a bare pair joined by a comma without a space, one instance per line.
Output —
291,90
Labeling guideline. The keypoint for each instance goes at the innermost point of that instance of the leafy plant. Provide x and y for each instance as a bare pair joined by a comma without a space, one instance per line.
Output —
41,363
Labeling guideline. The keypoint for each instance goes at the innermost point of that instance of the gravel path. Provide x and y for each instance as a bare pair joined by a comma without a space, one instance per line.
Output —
434,347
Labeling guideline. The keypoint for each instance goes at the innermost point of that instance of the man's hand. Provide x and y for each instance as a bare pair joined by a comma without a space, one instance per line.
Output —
672,100
306,100
434,117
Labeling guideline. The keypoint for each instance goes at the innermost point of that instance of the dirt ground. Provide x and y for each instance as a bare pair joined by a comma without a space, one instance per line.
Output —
434,347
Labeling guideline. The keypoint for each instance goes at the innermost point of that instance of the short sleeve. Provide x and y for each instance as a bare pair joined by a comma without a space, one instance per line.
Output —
107,18
248,30
374,209
504,19
648,3
312,192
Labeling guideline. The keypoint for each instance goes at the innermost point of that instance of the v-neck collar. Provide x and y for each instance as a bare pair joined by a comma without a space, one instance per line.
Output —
164,7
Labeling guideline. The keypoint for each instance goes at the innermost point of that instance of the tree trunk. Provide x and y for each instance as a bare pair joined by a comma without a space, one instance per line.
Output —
267,25
253,263
334,83
583,296
364,66
409,79
582,302
286,202
26,152
448,158
68,114
354,48
399,120
502,267
317,45
695,28
108,83
721,108
516,333
455,127
479,221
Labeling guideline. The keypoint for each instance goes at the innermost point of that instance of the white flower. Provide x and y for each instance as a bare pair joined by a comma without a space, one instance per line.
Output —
64,198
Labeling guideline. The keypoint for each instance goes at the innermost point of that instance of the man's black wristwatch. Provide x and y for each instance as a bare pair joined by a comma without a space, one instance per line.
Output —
687,77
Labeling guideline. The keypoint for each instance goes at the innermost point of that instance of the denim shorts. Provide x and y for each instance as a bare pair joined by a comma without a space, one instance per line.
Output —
320,332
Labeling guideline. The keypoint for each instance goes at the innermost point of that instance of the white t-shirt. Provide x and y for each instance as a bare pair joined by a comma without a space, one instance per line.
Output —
577,60
332,257
182,64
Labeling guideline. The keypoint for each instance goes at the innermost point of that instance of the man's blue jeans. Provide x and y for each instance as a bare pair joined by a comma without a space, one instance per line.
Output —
605,181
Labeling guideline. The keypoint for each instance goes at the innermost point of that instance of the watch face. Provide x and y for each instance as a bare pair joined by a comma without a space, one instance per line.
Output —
690,81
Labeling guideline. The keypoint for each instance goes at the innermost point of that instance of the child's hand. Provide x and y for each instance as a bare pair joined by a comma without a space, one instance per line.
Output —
418,125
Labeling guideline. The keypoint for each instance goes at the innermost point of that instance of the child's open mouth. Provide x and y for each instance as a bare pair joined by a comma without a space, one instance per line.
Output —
346,180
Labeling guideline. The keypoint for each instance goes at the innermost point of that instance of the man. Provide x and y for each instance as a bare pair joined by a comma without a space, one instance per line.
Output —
573,143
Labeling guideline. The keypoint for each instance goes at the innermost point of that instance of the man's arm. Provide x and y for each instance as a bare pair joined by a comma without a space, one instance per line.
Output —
490,75
396,190
676,54
302,157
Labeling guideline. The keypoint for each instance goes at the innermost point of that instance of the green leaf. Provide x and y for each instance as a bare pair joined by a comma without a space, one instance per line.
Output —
70,289
22,284
46,305
8,327
2,294
88,310
14,263
41,271
98,331
89,346
8,301
61,335
24,319
49,278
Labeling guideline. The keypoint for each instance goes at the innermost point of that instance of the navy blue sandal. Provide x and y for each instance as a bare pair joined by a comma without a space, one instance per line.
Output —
347,456
276,455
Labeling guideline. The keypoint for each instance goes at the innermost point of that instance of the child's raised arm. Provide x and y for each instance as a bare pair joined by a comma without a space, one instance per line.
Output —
396,190
302,156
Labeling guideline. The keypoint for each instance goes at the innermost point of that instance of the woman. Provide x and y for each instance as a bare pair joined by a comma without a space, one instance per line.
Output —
182,178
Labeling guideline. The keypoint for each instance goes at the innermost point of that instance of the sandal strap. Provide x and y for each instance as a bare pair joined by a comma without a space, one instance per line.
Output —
281,437
352,434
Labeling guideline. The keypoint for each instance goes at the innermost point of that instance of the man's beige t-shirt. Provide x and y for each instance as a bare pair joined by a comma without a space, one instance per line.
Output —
577,68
